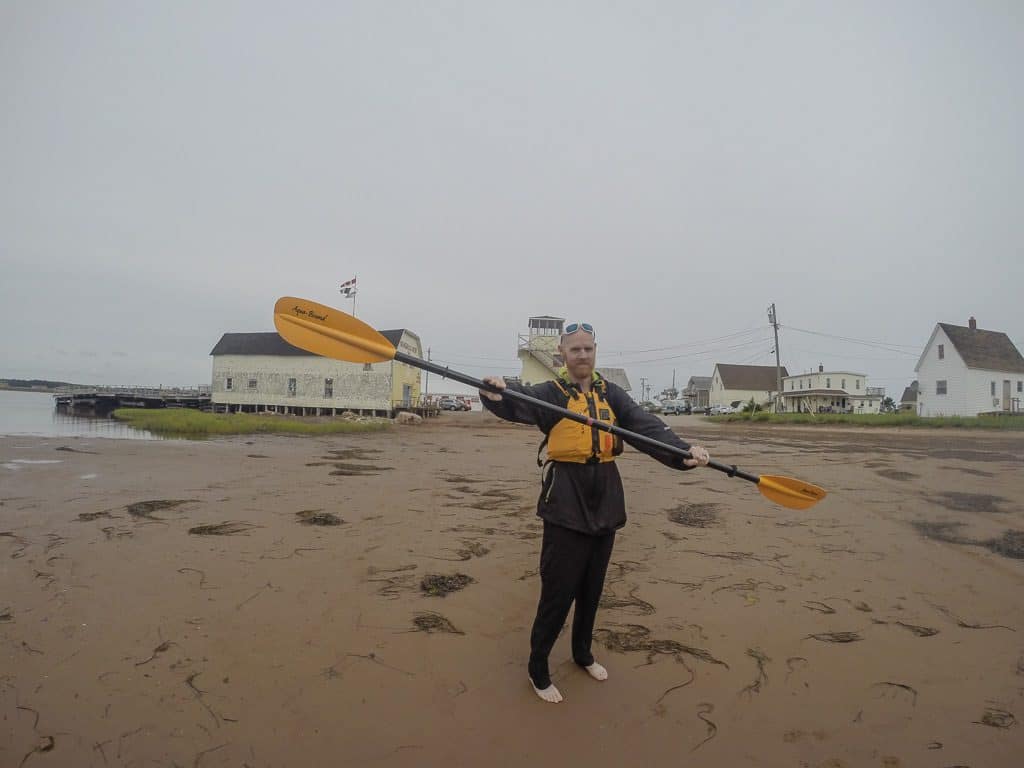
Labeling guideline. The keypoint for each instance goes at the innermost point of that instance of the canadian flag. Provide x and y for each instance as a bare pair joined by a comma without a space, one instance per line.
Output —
348,288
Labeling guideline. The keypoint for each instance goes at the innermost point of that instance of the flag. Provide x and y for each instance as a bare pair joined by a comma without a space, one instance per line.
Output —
348,288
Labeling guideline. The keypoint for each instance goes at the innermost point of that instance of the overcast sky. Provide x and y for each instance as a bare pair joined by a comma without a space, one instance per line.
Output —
664,170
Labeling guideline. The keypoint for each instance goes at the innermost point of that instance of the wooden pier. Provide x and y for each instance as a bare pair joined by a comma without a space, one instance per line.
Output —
104,400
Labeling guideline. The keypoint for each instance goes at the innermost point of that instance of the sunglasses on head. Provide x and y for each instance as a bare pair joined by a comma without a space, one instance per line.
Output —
571,328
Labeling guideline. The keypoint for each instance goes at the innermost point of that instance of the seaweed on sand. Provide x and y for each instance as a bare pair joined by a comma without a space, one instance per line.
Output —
431,622
318,517
227,528
145,509
636,637
439,585
694,515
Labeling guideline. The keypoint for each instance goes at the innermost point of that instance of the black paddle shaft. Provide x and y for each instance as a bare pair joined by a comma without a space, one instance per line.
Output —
604,426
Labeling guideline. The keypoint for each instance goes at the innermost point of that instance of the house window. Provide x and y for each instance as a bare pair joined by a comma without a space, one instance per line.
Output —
940,387
1019,386
227,383
367,366
291,387
328,387
828,383
942,352
993,389
791,386
858,383
843,382
252,383
801,383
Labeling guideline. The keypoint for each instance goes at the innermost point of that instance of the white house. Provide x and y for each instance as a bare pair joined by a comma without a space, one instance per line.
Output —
732,383
255,372
967,371
831,391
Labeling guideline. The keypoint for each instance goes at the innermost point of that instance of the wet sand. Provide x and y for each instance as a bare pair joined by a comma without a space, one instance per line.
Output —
883,627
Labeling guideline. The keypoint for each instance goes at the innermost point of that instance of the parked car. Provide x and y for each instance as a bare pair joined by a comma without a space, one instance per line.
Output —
451,404
675,407
721,410
650,406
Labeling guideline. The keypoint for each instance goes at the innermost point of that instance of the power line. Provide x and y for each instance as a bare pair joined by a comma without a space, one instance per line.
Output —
883,345
682,345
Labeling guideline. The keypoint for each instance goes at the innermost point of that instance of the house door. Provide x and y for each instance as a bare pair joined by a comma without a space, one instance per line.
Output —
1006,395
406,395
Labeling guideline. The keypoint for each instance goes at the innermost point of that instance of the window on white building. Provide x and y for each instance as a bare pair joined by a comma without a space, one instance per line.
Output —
367,366
1019,383
252,383
228,383
993,389
942,352
328,387
828,383
858,383
843,381
291,387
940,387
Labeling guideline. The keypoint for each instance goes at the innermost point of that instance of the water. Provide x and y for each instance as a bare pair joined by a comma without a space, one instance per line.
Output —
33,413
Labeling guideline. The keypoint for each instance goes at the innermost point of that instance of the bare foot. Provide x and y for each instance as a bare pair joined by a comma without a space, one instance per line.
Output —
549,694
597,672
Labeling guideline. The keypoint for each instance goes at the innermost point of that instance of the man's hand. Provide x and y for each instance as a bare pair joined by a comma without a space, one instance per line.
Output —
700,455
495,381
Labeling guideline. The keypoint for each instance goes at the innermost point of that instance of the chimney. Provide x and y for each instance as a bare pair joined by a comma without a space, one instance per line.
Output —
973,324
821,368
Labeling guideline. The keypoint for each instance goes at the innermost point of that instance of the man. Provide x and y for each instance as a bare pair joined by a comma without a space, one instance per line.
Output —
581,499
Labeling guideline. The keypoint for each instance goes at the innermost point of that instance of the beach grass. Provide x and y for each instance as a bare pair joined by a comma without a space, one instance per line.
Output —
186,422
878,420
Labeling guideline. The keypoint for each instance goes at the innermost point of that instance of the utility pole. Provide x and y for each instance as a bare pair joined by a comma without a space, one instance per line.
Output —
643,389
426,380
774,320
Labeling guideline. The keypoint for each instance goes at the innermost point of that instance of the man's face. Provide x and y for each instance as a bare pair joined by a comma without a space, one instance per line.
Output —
579,352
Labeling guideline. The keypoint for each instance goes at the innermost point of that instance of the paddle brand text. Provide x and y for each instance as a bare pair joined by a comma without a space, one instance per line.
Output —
309,313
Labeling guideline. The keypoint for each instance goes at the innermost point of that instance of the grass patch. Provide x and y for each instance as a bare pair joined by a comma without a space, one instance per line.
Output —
186,422
879,420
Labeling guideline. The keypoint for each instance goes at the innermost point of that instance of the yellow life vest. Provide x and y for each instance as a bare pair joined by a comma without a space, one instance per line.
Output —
575,442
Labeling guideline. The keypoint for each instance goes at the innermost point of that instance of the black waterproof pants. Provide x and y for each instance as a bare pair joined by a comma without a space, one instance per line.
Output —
572,568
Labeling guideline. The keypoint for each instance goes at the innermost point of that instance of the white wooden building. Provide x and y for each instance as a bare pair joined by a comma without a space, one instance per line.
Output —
740,383
261,372
831,392
965,371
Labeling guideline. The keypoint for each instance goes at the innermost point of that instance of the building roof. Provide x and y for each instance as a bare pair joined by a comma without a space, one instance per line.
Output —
699,382
749,377
988,350
271,343
910,393
616,376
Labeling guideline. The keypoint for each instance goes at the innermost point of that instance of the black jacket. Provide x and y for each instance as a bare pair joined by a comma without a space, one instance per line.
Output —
586,497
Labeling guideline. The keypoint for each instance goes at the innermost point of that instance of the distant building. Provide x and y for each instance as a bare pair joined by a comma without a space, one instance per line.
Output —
260,372
965,371
732,383
539,358
831,392
698,391
909,400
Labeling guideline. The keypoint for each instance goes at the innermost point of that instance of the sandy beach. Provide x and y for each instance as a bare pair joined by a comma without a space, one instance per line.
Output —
883,627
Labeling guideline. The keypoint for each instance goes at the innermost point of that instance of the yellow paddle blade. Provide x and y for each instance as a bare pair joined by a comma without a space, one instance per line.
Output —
329,332
795,494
